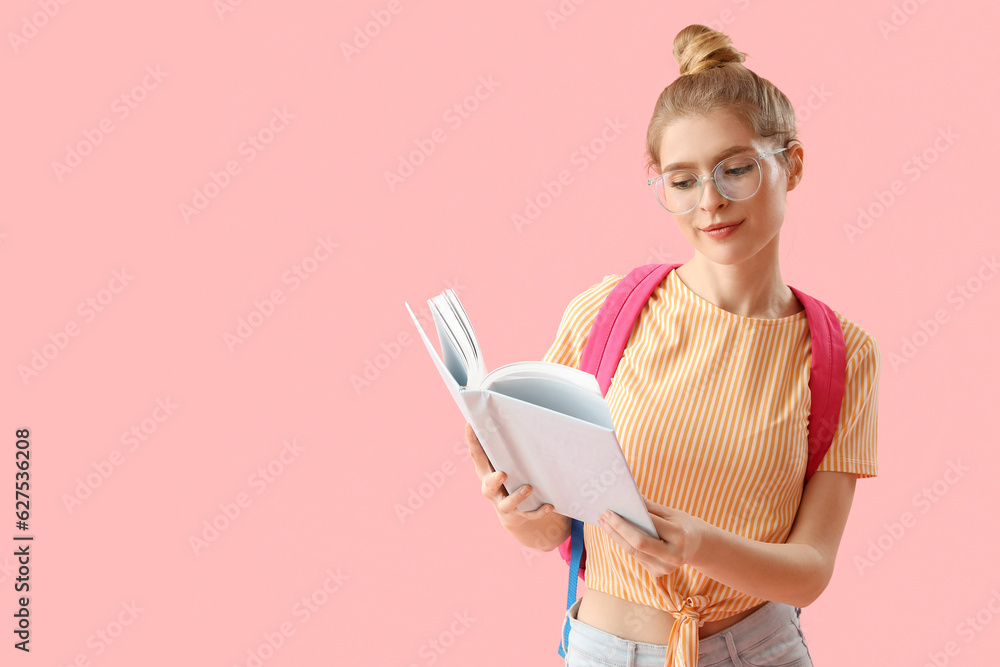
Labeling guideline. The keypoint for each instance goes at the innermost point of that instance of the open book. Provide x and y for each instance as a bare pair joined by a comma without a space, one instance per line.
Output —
543,424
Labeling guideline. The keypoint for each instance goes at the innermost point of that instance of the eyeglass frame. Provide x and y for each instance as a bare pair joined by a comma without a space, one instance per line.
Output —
652,181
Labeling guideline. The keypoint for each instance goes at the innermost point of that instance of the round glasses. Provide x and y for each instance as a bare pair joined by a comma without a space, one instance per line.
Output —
736,178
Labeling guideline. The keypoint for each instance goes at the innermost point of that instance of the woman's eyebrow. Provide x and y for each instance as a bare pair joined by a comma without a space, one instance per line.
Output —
732,150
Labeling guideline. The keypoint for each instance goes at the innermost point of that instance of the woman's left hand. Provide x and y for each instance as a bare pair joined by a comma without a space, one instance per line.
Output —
680,536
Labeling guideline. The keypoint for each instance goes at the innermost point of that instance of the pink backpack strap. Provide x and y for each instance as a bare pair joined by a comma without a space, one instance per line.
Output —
615,320
827,376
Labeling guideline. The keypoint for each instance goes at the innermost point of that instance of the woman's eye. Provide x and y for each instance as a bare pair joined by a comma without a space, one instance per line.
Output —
683,184
739,171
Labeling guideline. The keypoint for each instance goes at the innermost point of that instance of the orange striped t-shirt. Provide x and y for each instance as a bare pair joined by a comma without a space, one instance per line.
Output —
711,410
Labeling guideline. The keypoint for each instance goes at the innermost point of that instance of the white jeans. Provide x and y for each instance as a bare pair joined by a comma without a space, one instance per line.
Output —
770,636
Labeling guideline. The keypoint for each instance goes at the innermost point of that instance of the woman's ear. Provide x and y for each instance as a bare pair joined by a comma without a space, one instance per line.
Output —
795,155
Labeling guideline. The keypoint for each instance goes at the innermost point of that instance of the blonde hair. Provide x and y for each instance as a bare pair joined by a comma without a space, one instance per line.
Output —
713,78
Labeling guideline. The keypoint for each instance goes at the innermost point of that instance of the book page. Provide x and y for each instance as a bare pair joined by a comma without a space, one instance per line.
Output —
476,363
576,394
455,358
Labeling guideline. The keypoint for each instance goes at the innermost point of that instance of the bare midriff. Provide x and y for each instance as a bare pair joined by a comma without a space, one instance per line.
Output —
638,622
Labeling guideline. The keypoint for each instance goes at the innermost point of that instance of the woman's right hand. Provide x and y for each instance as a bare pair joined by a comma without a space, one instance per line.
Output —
504,503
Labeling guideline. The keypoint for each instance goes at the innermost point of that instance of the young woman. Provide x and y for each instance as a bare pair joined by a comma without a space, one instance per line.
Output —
710,403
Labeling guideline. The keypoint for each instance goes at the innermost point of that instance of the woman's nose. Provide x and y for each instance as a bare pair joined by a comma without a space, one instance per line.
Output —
711,198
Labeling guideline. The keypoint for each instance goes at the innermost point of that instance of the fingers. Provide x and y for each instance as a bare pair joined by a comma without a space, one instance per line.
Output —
669,522
478,454
659,556
627,531
656,509
507,504
493,486
510,503
507,508
610,523
540,512
492,480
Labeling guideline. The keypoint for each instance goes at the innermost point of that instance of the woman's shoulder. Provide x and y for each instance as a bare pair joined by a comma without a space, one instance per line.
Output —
859,344
577,320
582,309
603,287
590,300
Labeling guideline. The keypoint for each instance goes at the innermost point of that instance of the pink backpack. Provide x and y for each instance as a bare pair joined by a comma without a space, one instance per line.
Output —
606,344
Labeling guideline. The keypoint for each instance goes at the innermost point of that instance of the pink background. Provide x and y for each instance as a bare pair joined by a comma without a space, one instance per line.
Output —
390,590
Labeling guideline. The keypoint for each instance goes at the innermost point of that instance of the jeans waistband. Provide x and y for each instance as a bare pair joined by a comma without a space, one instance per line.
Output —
743,634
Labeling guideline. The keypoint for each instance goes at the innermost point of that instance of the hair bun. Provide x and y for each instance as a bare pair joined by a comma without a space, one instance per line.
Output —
698,47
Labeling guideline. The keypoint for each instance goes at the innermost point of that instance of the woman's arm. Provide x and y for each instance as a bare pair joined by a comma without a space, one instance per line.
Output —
795,572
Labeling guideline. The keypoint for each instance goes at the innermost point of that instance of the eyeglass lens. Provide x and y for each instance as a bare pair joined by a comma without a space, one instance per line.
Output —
736,177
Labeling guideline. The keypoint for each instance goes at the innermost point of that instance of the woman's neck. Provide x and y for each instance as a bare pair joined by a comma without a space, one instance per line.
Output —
752,288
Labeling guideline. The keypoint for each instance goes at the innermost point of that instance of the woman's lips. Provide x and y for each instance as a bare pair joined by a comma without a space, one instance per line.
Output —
722,232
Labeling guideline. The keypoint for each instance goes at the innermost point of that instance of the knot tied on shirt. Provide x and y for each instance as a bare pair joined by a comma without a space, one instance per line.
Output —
682,645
